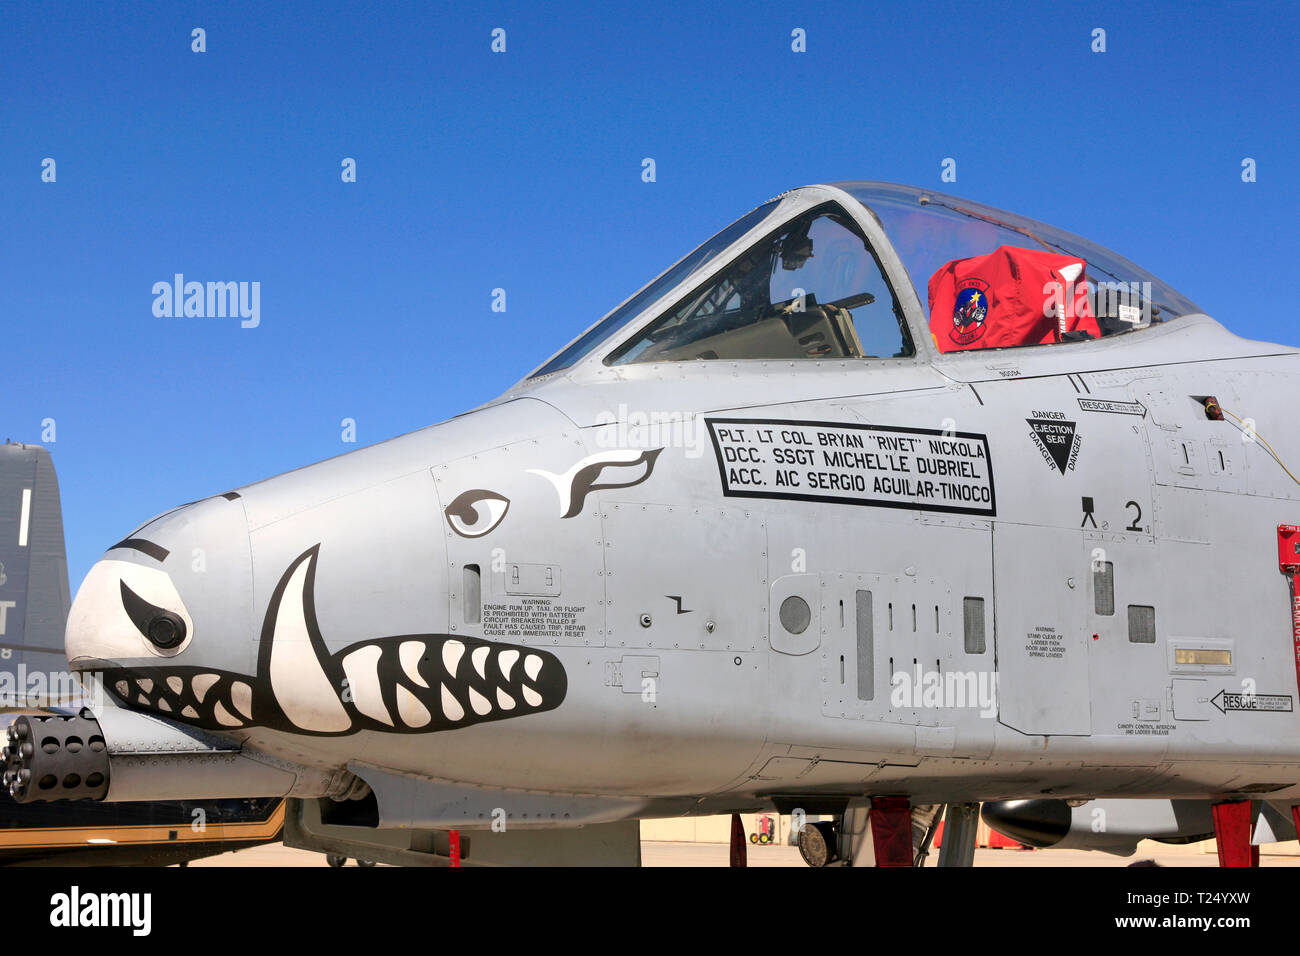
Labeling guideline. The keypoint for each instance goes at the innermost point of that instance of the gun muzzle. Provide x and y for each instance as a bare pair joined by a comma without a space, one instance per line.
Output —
55,757
120,755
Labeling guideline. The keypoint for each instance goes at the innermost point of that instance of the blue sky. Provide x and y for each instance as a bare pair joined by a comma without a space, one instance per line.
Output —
522,171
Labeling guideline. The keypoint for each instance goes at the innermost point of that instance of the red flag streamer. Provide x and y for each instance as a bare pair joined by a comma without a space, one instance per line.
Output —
739,854
891,831
455,847
1295,627
1288,560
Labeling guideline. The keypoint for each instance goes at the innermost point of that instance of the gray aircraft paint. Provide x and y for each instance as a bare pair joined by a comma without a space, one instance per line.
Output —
660,575
34,595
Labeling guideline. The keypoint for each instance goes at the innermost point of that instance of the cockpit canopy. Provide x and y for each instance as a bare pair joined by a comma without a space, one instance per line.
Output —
813,284
811,289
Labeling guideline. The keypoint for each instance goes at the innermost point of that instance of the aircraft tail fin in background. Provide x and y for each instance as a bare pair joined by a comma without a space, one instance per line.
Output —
34,594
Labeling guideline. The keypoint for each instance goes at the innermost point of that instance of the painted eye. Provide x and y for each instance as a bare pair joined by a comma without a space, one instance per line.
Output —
476,512
164,629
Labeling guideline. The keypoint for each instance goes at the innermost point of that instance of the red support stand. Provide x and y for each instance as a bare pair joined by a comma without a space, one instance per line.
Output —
454,837
739,852
1232,832
891,831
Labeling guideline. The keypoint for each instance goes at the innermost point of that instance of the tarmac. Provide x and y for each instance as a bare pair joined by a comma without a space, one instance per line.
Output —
660,854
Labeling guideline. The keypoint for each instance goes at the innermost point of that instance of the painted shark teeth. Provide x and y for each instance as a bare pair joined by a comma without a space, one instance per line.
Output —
409,708
229,703
479,703
450,706
202,684
410,654
302,689
479,657
241,695
451,653
404,684
223,716
362,670
506,661
532,666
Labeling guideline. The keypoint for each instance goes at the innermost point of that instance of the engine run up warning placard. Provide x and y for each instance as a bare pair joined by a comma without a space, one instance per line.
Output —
917,468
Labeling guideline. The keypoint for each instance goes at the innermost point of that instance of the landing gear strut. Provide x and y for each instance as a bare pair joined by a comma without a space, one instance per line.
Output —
960,827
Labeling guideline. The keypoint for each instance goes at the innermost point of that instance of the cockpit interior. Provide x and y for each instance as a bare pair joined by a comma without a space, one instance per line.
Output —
816,283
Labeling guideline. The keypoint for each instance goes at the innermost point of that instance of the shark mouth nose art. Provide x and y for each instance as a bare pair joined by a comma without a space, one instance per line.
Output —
416,683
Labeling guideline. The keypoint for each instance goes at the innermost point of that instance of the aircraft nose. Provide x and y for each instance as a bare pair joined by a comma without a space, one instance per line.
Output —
179,585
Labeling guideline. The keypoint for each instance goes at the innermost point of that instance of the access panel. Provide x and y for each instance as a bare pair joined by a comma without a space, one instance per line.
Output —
1041,637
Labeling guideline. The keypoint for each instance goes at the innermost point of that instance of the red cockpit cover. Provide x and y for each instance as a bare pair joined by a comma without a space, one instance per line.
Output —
1011,296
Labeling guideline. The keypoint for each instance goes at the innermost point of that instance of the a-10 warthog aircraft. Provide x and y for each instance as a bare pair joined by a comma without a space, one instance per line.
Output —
878,500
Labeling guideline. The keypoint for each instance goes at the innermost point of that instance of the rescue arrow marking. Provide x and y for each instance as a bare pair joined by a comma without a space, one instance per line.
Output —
1113,408
1252,703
